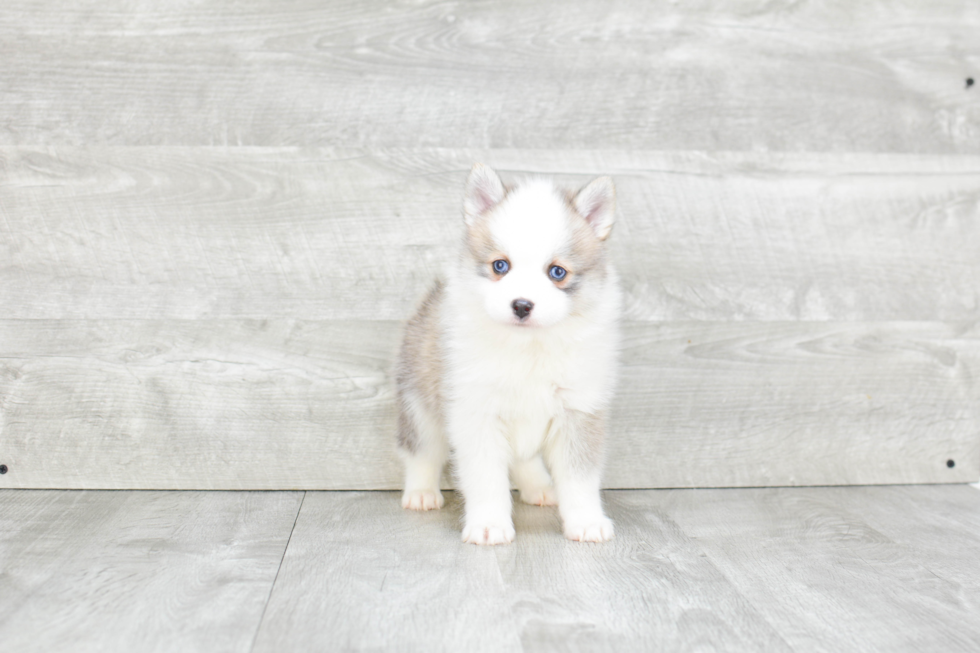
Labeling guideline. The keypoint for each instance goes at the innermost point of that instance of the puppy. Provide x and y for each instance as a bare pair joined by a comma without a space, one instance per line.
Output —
510,363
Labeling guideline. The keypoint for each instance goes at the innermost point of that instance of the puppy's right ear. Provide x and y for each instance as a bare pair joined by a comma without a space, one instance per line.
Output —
484,190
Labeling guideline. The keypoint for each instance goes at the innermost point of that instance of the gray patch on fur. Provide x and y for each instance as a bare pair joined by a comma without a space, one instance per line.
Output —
419,369
585,439
407,435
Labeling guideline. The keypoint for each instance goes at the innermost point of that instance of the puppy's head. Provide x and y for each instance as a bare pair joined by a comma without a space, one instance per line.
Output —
536,250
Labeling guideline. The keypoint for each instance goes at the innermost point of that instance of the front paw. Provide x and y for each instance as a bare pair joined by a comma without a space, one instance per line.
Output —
539,496
590,530
430,499
482,533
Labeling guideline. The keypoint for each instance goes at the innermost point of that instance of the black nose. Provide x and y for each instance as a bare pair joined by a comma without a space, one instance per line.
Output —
522,307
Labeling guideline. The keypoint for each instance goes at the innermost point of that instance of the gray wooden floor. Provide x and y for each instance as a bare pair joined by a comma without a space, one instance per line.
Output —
885,568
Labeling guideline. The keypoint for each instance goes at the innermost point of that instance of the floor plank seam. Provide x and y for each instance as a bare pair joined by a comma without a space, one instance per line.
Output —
272,589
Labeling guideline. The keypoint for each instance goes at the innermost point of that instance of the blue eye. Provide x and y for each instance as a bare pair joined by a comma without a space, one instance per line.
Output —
557,273
501,266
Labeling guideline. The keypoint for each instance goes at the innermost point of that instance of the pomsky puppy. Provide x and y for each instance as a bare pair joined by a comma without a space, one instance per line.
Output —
510,363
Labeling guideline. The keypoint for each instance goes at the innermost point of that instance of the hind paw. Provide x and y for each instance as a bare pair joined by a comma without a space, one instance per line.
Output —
539,496
430,499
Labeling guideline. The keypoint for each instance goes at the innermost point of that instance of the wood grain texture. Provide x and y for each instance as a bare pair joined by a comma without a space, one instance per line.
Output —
372,576
749,75
804,569
212,221
191,233
796,404
199,405
944,534
816,566
132,571
291,404
814,569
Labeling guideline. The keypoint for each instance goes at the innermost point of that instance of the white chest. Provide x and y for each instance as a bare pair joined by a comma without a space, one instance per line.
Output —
528,377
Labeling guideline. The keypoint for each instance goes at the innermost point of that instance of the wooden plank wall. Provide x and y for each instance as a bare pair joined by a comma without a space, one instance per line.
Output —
214,219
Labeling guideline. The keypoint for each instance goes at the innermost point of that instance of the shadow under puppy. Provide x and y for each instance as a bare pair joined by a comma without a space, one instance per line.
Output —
510,362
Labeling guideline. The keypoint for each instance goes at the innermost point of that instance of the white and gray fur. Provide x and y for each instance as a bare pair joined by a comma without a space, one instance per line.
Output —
507,391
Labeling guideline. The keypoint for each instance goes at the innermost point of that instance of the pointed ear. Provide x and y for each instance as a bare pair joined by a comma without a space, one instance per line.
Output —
597,204
484,190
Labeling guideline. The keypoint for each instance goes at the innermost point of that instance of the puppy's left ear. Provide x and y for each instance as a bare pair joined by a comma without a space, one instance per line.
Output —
597,204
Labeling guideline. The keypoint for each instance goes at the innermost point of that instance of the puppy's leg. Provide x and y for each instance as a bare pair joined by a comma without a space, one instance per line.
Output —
575,454
422,446
534,482
481,457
